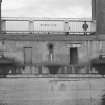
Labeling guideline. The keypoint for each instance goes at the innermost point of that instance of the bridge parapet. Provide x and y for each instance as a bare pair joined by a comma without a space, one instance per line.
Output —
48,26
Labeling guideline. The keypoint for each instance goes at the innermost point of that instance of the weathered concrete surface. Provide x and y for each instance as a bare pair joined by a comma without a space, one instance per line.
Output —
93,9
40,52
51,91
100,16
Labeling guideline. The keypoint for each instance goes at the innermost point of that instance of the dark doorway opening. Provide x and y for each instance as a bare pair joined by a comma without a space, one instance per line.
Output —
74,55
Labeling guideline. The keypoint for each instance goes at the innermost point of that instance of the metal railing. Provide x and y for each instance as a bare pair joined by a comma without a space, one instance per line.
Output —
48,26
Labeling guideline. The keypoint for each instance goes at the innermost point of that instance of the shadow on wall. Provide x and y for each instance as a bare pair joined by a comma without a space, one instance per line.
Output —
103,100
99,65
8,64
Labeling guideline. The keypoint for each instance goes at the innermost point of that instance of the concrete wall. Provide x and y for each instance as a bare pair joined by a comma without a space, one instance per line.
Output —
100,16
93,9
40,52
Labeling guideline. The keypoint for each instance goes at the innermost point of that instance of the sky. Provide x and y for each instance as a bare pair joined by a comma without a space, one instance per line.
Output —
47,8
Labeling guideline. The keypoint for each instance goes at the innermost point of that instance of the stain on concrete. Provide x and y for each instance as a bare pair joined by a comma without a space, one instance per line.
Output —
62,87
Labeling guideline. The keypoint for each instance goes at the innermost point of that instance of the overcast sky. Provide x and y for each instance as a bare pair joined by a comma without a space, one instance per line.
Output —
47,8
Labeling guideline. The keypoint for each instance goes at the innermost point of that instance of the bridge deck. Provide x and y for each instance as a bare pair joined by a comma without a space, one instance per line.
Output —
53,37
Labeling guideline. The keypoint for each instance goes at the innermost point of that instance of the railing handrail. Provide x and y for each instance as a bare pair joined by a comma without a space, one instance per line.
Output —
46,19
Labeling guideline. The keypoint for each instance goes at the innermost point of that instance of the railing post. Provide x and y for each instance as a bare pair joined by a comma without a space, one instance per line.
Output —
66,27
31,26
